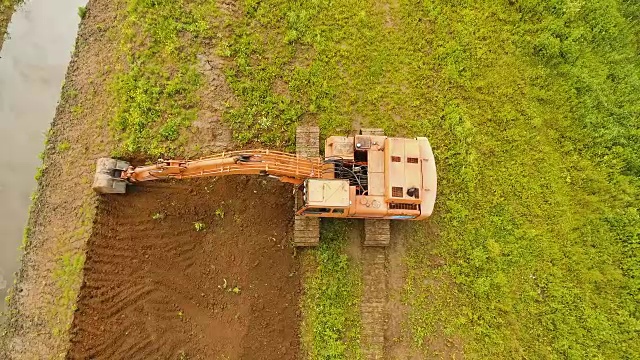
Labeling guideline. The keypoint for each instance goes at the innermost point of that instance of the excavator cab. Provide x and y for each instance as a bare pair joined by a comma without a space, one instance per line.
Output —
324,198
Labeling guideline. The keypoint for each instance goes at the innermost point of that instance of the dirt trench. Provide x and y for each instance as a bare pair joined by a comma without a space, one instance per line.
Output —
155,287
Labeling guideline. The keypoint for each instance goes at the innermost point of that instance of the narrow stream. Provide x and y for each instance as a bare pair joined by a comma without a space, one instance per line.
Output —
33,63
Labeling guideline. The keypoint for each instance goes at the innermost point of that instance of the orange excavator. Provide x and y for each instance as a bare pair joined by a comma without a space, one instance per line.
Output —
369,176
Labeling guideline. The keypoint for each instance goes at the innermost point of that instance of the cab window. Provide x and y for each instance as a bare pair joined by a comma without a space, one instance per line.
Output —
317,210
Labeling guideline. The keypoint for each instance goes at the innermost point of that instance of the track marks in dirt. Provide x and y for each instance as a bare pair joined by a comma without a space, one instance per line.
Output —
383,314
375,292
398,344
160,289
374,298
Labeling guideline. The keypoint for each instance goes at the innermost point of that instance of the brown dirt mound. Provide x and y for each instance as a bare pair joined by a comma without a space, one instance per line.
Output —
155,288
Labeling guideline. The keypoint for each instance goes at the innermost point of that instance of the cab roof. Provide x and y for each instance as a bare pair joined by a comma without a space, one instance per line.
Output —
328,193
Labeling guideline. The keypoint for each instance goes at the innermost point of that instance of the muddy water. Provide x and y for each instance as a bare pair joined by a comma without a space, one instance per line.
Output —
33,62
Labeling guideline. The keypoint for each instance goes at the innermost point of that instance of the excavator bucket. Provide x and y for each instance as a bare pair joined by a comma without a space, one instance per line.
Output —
107,179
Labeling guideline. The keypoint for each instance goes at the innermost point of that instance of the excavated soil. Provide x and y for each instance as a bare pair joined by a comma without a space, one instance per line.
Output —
156,288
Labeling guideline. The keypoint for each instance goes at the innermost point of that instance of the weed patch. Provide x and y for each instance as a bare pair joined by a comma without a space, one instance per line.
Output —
68,277
156,91
82,12
199,226
63,146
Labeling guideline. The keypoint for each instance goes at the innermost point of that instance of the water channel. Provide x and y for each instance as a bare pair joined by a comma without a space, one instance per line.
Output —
33,63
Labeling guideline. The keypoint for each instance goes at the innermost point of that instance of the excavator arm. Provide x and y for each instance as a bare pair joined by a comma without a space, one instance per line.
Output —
113,175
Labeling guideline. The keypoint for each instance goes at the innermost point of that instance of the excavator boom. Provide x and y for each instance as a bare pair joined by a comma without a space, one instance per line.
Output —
250,162
113,175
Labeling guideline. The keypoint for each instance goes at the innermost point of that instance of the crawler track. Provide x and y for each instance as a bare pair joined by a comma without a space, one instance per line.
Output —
374,301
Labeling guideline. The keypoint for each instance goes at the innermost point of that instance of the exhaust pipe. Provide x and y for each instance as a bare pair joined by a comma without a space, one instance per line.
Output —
107,179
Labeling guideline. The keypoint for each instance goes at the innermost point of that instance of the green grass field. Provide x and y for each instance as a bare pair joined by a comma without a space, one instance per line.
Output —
533,110
332,290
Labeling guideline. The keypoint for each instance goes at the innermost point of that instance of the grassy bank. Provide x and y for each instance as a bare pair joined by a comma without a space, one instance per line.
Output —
532,108
7,7
156,91
42,300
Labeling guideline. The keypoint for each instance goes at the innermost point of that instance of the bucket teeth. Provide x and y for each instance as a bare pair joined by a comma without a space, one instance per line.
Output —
107,178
